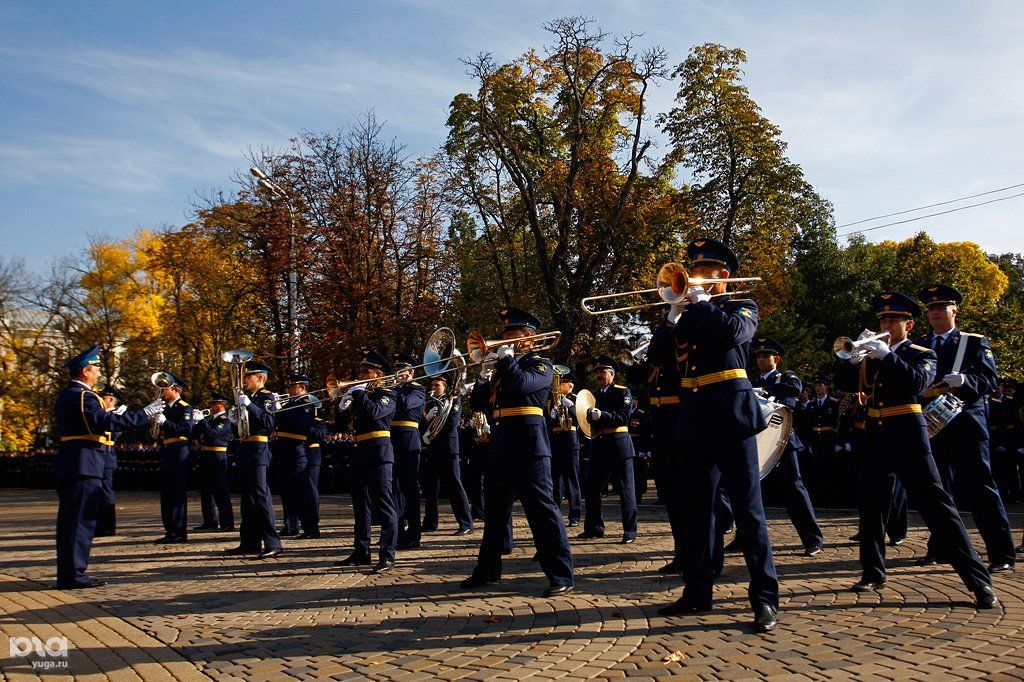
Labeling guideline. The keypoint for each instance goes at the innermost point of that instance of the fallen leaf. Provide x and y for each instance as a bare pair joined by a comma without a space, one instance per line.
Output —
674,657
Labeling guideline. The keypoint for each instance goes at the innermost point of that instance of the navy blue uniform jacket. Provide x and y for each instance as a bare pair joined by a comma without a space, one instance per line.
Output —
83,423
982,377
785,387
514,400
446,443
405,426
893,385
256,451
371,413
213,435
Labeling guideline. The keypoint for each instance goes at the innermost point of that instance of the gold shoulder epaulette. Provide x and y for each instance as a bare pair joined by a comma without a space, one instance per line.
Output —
619,386
917,347
184,404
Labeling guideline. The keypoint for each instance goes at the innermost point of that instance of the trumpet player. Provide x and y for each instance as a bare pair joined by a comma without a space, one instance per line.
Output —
175,427
83,423
106,524
369,410
514,397
611,454
961,449
565,449
893,374
212,435
257,532
405,440
290,459
719,418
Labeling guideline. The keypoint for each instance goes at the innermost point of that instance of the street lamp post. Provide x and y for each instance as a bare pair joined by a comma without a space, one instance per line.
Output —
293,283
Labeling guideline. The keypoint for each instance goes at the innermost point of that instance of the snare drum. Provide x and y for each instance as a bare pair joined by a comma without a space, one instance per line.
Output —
772,442
941,411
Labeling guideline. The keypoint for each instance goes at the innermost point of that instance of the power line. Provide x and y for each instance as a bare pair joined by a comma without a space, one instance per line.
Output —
921,208
931,215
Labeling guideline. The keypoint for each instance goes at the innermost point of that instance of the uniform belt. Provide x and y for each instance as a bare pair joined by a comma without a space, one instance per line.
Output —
214,448
894,411
557,429
819,429
312,445
176,439
667,400
408,425
859,425
608,432
360,437
518,412
714,378
255,439
102,440
296,436
936,391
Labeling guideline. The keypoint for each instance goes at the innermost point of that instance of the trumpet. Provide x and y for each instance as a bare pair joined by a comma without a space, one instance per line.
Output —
161,380
671,286
478,347
237,360
845,348
629,357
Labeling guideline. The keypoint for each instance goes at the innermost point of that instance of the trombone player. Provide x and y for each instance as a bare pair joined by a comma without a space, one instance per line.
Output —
719,418
514,396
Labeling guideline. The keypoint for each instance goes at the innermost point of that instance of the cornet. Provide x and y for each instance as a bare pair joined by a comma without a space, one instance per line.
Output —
845,348
671,285
629,357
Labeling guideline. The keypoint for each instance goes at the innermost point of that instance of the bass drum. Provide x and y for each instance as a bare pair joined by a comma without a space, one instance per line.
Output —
772,442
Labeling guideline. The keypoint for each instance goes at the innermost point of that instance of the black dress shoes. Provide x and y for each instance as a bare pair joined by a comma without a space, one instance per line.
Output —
985,597
269,553
684,605
169,540
813,550
106,534
627,541
205,526
572,524
238,551
476,580
765,618
926,560
855,537
288,532
82,585
672,567
409,545
354,560
868,586
227,529
309,536
463,531
1000,568
383,566
896,542
557,590
589,535
733,547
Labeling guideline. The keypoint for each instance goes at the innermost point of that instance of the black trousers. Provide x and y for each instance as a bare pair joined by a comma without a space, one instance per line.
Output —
174,500
372,498
107,522
441,467
258,523
79,500
215,497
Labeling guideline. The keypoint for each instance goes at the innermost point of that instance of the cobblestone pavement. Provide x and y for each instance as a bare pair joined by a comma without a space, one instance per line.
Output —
188,612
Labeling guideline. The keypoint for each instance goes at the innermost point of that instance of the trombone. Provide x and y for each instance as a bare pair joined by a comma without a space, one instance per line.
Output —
845,348
671,285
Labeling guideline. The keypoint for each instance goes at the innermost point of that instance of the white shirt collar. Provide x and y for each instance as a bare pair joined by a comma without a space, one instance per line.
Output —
769,374
899,344
946,335
76,381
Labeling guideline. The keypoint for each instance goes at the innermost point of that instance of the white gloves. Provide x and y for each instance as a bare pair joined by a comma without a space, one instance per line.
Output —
432,413
488,364
839,447
243,400
865,333
154,408
674,311
698,294
159,419
848,448
505,352
877,349
276,405
567,403
553,413
196,416
121,409
593,414
233,415
954,380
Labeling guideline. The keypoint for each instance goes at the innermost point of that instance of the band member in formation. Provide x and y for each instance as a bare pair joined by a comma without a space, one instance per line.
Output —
442,458
405,440
290,452
212,436
611,453
565,449
367,410
477,463
719,418
83,422
893,374
785,387
175,426
819,424
1004,457
663,394
258,532
967,369
640,434
515,397
314,461
106,524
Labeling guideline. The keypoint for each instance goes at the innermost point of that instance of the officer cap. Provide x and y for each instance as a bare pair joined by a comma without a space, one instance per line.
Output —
374,360
403,360
768,345
256,368
569,378
180,383
820,379
895,303
940,294
516,318
605,362
296,379
714,252
84,359
216,397
111,391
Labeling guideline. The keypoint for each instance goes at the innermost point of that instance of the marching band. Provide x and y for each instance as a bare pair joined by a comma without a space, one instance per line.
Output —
915,415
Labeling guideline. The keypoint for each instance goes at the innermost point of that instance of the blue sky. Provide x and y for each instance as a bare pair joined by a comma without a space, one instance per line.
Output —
114,115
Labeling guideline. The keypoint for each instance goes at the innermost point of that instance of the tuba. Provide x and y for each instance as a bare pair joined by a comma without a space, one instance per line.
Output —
237,360
161,380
